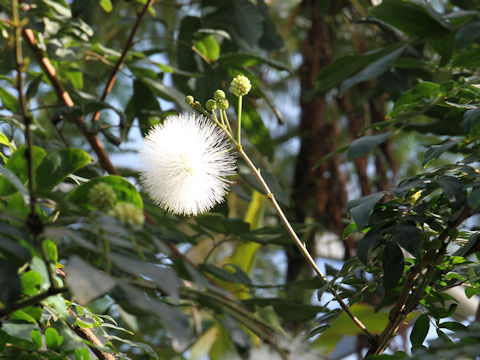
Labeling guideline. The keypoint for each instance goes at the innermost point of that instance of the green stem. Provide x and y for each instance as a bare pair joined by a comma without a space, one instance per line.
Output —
239,121
227,122
301,246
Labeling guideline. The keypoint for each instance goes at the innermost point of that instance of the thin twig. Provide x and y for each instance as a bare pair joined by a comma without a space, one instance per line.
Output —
118,65
302,247
87,334
66,99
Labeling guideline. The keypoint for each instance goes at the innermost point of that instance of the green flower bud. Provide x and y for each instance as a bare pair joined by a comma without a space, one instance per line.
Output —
102,196
128,213
189,100
240,85
211,105
223,104
219,95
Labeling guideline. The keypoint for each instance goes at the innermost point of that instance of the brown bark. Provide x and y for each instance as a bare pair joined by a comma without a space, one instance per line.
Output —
321,193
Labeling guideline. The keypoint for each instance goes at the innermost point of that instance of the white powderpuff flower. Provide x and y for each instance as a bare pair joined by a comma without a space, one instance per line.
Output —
185,164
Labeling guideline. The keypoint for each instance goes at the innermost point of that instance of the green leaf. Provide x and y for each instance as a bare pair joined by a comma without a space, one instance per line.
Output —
362,146
420,330
82,354
256,130
59,7
413,18
248,19
470,291
17,164
50,249
434,151
9,178
4,141
125,191
9,101
37,338
52,339
19,330
467,58
393,263
360,208
106,5
373,70
31,281
57,165
208,47
86,282
350,229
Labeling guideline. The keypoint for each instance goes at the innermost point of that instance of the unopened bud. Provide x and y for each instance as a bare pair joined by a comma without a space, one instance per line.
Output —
128,213
102,196
211,105
218,95
189,100
240,85
223,104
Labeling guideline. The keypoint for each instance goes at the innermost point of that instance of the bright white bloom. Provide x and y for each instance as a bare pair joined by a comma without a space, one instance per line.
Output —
184,164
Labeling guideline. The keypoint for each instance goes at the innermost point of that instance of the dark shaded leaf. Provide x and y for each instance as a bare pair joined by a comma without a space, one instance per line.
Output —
471,122
165,278
393,263
361,208
373,70
362,146
238,277
344,67
435,151
173,320
248,19
10,284
420,330
366,244
86,282
409,237
413,18
474,200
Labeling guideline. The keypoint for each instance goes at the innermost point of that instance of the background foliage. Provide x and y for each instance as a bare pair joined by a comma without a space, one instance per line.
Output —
363,119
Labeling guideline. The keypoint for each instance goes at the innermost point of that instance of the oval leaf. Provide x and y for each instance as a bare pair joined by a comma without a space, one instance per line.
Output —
125,191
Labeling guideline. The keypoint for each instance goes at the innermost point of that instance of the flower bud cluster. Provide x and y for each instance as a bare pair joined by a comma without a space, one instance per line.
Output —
240,85
102,196
128,213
